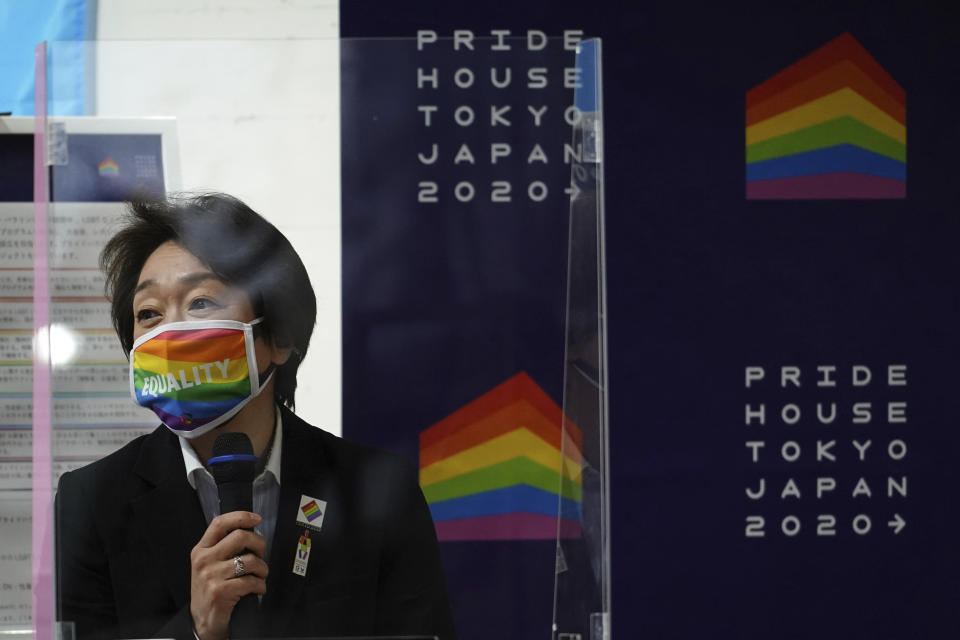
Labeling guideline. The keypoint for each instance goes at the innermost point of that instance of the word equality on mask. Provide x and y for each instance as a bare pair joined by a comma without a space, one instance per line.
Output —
195,375
175,381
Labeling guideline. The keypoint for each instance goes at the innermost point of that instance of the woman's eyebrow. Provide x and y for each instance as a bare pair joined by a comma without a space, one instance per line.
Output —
188,279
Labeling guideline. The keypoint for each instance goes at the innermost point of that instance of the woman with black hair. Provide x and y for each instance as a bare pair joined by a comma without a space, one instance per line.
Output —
215,310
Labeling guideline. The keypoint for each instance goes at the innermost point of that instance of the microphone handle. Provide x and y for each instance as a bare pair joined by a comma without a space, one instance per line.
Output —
245,617
235,496
238,496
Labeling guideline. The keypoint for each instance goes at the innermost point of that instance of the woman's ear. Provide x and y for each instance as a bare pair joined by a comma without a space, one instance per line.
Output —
279,354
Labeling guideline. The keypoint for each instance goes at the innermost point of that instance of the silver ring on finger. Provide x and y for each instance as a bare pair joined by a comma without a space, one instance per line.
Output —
238,569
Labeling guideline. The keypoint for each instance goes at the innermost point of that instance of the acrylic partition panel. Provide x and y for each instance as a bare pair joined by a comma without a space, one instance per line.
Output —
25,462
143,100
457,155
425,182
26,364
582,590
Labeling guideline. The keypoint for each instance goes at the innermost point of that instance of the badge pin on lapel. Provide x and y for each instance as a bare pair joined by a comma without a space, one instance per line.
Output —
303,554
310,517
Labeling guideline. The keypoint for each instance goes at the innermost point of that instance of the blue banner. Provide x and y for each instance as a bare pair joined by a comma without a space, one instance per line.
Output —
65,24
781,298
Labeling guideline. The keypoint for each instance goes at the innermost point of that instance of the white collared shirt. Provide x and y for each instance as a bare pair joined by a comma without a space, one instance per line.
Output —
266,486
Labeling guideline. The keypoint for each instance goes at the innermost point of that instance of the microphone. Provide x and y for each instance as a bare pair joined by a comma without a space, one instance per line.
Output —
233,466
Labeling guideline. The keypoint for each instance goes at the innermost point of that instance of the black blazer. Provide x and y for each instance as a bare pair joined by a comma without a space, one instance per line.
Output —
126,525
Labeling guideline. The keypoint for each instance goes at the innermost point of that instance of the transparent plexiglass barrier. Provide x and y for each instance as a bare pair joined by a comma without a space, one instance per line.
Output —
582,589
460,151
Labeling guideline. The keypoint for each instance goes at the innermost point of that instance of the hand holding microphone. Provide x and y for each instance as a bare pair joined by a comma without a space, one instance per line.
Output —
227,565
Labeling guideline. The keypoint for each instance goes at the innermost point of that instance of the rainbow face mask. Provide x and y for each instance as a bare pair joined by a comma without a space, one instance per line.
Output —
196,375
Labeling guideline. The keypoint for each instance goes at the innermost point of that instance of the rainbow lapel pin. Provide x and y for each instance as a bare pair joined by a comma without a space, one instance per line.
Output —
310,513
310,517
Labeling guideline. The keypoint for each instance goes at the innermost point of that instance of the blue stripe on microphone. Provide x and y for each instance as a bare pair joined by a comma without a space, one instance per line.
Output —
233,457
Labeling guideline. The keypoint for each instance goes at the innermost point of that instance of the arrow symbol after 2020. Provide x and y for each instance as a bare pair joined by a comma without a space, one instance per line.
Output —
897,523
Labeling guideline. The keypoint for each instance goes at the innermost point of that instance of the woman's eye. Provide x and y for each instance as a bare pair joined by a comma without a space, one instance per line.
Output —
145,314
202,304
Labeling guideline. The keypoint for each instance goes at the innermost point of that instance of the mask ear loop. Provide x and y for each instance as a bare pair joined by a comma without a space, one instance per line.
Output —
264,378
256,331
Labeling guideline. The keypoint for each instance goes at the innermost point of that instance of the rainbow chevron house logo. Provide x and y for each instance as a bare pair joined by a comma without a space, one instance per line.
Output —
830,126
501,466
108,168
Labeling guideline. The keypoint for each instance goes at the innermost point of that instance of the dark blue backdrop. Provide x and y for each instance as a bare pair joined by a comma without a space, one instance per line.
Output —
703,283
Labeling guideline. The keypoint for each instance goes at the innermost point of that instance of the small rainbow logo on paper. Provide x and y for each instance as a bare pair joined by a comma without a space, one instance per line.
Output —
108,168
311,510
501,467
830,126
